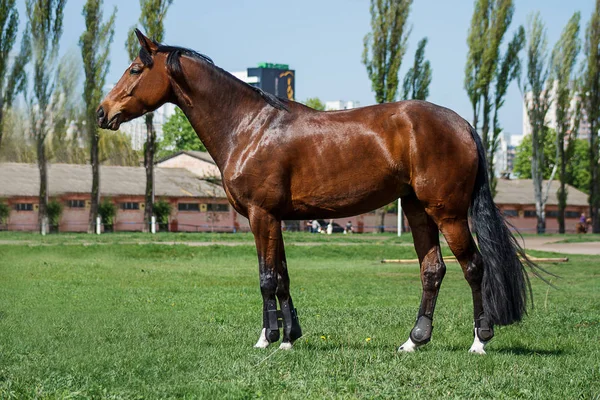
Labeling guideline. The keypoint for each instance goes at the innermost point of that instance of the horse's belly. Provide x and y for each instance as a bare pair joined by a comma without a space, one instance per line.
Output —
349,194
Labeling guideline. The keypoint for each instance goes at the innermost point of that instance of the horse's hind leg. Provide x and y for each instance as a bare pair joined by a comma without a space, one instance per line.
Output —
291,325
427,244
459,238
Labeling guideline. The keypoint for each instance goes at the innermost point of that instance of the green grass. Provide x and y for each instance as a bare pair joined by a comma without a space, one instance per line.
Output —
138,237
154,321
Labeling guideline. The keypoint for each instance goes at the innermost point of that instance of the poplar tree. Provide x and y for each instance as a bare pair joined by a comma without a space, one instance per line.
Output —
564,58
153,13
13,79
95,43
485,64
591,105
417,79
537,102
384,48
46,22
509,69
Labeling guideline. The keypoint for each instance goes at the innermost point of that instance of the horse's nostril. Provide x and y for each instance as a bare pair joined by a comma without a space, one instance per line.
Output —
100,113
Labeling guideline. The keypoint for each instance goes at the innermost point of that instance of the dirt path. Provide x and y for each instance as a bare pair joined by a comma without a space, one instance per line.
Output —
549,244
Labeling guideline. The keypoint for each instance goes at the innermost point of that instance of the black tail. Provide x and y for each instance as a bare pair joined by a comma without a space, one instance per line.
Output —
505,280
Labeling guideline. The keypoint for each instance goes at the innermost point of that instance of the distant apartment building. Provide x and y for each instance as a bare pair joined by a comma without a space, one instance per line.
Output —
584,130
341,105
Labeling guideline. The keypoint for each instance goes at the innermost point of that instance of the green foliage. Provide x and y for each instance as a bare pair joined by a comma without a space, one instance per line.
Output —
418,77
62,147
12,79
151,20
577,165
523,156
95,45
55,209
537,86
107,210
385,45
315,103
591,105
17,144
46,23
115,148
564,57
486,65
4,212
178,134
162,210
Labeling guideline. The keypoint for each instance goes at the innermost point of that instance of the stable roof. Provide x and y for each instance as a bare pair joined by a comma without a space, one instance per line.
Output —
24,180
520,191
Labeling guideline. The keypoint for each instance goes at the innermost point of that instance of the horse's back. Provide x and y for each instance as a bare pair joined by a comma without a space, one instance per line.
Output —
364,158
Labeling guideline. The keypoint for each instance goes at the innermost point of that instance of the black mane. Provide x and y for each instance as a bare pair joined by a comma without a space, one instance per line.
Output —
174,67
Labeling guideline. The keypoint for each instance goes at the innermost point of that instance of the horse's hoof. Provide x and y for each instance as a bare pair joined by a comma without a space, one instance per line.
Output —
476,350
286,346
478,346
408,347
262,343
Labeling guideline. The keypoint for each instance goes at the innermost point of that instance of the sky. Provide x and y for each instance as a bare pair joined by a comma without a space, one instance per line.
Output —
323,41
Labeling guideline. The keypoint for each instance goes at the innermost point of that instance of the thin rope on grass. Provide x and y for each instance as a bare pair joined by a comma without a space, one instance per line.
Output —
267,357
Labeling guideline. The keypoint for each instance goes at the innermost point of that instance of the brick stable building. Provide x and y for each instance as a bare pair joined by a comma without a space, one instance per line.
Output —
198,205
187,181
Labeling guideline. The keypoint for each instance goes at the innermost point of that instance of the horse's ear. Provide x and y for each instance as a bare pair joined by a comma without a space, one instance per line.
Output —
145,42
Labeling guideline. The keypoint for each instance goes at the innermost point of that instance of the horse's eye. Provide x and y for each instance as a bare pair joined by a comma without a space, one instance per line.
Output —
135,71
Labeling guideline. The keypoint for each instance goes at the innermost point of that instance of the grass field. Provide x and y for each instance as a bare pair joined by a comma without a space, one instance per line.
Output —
157,321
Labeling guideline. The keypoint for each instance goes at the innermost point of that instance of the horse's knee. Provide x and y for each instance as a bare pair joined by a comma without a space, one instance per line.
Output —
268,282
433,274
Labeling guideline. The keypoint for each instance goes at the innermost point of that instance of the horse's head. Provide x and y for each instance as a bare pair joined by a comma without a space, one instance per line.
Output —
144,87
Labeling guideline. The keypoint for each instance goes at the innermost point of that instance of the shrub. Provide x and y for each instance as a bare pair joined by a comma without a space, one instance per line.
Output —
55,209
4,212
107,211
162,210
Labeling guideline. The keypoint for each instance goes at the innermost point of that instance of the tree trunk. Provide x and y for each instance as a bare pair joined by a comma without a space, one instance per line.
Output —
1,122
595,178
562,191
43,168
149,165
380,213
537,177
95,160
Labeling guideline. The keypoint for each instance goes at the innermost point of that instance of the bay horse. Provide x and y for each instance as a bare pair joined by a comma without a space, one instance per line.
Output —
282,160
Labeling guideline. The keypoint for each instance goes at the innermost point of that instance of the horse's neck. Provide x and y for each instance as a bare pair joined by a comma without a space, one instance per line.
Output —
217,108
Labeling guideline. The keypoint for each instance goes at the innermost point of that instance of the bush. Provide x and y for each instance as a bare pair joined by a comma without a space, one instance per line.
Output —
55,209
107,211
162,210
4,212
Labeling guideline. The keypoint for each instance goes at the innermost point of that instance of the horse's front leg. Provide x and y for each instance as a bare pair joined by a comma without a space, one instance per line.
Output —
274,280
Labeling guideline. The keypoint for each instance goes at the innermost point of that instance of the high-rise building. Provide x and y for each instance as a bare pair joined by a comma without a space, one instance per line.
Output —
277,79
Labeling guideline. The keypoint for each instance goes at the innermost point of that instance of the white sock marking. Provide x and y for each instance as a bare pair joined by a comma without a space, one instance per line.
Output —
408,347
285,346
478,346
262,343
